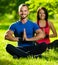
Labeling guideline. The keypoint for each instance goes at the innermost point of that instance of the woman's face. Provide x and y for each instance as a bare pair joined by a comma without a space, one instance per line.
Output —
42,14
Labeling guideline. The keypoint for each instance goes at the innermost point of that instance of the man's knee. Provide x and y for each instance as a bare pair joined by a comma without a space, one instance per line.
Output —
8,46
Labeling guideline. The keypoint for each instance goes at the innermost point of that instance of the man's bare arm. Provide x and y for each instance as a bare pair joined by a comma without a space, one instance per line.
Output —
10,36
39,35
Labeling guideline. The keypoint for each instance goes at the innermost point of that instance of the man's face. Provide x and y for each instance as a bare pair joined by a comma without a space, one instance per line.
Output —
23,12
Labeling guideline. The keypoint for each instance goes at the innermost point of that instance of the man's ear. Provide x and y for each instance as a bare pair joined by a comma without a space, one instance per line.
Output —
28,12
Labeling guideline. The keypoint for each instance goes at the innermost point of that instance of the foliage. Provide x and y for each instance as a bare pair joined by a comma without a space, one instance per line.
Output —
9,8
50,5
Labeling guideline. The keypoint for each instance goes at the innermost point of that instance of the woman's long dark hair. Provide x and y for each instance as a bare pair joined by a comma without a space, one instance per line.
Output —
46,13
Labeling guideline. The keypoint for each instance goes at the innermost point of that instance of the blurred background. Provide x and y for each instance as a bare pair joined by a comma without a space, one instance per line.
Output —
9,9
9,14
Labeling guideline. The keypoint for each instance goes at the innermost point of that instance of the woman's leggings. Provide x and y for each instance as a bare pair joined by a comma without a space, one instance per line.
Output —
53,44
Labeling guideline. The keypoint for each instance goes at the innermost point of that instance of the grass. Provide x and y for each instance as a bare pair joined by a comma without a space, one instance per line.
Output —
49,57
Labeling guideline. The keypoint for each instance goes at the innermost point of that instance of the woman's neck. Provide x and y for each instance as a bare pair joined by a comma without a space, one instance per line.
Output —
42,21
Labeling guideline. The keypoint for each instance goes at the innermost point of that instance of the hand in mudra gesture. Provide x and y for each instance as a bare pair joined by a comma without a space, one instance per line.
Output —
24,35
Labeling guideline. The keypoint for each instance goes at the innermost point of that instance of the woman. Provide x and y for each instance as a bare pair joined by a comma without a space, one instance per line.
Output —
46,25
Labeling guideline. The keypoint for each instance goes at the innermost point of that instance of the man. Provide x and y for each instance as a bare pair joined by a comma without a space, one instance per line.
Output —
16,33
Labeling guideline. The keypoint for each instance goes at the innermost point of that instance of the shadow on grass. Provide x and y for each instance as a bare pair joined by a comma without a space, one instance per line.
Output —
4,27
5,62
50,58
56,50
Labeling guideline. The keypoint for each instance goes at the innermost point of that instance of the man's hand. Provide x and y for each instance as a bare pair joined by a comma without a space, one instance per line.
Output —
24,35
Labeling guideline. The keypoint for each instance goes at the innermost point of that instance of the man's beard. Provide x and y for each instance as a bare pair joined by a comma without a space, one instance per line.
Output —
24,17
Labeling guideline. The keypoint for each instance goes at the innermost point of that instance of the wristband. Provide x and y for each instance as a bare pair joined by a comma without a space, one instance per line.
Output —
20,39
47,36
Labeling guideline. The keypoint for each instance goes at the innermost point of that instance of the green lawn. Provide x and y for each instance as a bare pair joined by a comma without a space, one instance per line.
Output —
49,57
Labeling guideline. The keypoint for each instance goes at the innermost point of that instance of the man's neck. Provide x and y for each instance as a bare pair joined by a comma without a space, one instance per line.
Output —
24,20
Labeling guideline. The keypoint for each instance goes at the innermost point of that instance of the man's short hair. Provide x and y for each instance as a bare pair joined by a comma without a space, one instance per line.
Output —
22,5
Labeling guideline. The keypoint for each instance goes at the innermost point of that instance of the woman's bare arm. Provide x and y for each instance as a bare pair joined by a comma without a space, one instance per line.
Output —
54,33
